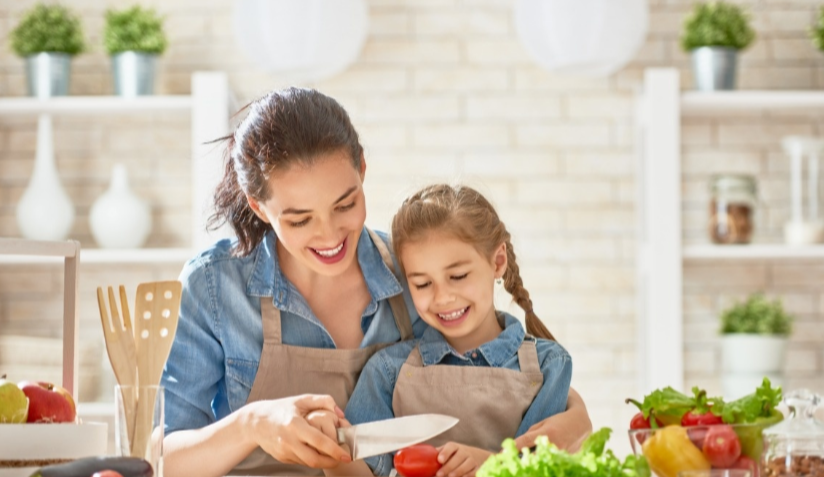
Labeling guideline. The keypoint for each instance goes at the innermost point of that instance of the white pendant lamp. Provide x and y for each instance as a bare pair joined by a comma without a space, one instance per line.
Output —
302,40
582,37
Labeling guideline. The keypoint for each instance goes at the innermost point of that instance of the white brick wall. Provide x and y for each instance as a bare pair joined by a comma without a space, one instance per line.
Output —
444,91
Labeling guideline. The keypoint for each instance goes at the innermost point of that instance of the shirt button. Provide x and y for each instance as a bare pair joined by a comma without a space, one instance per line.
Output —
474,355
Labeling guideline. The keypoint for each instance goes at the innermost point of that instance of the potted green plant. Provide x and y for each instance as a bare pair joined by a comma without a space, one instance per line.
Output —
714,33
754,337
817,31
48,36
134,38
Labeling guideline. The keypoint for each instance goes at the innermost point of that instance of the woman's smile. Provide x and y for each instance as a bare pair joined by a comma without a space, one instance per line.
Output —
331,255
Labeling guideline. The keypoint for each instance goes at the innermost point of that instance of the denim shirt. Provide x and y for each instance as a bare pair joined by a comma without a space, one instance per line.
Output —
219,339
372,398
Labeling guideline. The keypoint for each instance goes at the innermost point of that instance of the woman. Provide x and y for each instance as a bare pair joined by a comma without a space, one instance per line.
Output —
280,321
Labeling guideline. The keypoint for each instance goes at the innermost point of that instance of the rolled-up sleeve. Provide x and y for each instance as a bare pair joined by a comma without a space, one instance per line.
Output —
195,366
556,366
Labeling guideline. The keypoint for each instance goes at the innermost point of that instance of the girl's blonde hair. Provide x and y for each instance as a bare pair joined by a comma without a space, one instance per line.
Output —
464,213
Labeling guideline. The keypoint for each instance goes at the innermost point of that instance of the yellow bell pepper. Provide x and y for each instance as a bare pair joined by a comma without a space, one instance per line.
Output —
669,451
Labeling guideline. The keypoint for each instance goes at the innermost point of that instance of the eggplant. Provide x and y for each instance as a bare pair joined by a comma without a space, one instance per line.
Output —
127,466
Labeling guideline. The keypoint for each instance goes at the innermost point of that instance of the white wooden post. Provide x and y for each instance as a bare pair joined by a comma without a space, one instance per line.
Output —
210,121
71,325
659,267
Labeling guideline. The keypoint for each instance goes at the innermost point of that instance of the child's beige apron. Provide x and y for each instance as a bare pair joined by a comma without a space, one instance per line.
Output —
287,370
490,402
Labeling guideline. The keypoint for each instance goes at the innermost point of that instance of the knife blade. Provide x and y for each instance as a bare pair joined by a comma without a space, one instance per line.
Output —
380,437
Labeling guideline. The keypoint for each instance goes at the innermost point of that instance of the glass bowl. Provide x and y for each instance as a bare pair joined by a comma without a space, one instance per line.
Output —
671,450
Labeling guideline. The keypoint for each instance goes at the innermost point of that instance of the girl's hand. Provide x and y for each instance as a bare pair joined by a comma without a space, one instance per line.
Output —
460,460
280,427
567,430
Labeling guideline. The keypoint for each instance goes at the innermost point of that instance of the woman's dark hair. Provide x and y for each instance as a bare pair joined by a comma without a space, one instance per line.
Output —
283,128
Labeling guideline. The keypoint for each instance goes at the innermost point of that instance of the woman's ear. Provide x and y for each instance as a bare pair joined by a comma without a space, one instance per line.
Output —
499,260
255,206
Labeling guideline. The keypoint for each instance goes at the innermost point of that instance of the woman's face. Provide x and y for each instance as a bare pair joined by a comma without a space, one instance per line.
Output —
452,287
318,212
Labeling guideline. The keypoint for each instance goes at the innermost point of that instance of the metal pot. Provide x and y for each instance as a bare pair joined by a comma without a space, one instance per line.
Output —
47,74
714,68
133,73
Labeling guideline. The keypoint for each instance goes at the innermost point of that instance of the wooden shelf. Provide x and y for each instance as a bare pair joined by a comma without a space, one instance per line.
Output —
697,103
111,256
95,105
752,252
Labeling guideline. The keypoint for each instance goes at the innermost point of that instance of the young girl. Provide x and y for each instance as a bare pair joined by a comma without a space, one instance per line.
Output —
474,362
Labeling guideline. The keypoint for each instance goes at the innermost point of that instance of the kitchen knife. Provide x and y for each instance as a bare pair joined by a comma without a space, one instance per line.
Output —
380,437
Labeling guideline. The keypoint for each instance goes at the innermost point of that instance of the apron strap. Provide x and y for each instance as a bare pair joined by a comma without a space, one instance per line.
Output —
414,358
271,321
528,356
398,305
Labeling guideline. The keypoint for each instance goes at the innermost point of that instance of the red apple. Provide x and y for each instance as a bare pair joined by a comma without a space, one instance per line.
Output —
48,402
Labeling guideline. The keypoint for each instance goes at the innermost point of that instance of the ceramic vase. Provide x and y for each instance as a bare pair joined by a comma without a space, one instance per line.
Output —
45,211
747,359
119,218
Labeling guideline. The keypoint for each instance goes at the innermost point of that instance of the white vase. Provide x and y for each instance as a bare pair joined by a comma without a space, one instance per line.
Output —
747,359
45,211
118,218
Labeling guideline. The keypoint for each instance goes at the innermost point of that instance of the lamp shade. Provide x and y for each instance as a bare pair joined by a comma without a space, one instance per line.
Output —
302,39
582,37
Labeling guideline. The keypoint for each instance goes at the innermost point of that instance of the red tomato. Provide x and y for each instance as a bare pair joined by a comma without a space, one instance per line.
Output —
698,435
747,463
420,460
707,419
107,473
721,446
640,422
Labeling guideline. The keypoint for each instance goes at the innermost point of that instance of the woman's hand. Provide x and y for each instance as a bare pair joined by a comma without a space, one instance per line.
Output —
567,430
281,428
460,460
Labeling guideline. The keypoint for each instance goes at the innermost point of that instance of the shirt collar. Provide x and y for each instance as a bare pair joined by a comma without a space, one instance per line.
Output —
434,348
267,278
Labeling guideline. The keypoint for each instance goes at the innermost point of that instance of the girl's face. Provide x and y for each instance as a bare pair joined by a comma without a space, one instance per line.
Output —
318,212
452,286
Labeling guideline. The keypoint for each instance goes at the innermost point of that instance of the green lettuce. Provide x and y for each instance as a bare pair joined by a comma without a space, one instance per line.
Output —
549,461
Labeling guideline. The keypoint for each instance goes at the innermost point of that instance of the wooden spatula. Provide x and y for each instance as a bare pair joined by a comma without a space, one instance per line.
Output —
156,311
120,346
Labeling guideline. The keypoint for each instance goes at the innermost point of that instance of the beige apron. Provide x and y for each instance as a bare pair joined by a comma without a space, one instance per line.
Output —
287,370
490,402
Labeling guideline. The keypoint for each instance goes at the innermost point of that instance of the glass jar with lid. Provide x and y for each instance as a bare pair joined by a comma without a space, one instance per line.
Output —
732,208
795,447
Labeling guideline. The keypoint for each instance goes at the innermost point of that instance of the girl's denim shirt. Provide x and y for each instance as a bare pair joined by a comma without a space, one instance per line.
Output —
372,398
217,347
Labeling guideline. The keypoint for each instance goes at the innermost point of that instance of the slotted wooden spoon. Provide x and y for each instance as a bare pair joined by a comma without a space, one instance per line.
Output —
120,346
156,312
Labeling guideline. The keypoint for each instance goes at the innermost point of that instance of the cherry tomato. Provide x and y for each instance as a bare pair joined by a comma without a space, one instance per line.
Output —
698,435
420,460
745,462
107,473
706,419
721,446
640,422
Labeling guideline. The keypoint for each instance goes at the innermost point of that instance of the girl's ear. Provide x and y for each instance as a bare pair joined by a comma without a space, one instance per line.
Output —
255,206
499,260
